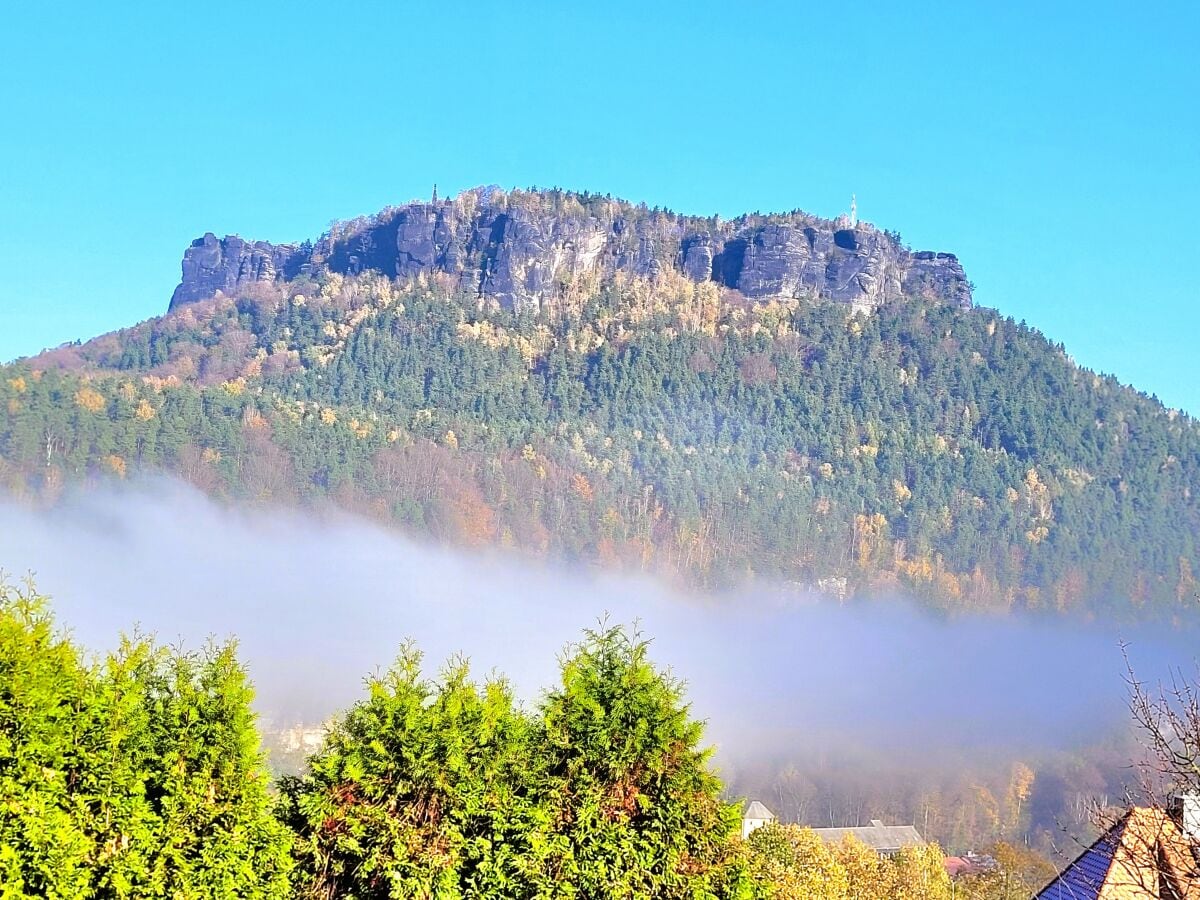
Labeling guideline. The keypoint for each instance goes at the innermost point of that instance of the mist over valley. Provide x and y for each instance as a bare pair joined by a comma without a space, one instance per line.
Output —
849,697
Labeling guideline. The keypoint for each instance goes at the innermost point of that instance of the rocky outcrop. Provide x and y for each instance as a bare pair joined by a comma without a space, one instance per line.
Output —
525,249
937,274
227,264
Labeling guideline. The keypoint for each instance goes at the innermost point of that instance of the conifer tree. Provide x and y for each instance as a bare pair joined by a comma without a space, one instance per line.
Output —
45,696
422,790
137,777
636,807
447,789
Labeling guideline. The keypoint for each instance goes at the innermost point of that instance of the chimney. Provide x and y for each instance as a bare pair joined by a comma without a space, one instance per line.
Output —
1185,808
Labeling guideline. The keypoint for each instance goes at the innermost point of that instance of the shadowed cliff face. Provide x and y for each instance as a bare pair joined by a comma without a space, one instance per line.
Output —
525,249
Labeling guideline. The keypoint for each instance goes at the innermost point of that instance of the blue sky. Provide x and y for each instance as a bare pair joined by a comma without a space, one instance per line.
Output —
1054,146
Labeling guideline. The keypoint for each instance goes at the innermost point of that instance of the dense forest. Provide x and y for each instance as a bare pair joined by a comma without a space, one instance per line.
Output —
648,424
139,774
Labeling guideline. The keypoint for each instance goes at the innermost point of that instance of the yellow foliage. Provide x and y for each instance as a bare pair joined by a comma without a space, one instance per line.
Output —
920,569
144,410
474,520
791,862
869,536
450,439
918,873
1078,478
332,285
582,487
115,464
1037,501
254,420
234,388
211,455
89,399
17,384
328,416
915,873
863,868
986,802
158,384
610,521
901,490
1020,786
949,584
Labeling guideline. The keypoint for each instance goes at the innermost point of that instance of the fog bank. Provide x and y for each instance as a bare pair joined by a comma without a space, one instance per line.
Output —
318,603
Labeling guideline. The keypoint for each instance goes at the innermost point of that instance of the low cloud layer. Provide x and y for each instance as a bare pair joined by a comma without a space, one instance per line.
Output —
318,604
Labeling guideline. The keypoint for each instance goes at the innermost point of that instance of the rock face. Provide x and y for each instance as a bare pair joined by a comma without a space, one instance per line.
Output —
211,265
525,249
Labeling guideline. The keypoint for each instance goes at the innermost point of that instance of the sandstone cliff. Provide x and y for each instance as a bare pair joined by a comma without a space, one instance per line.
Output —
523,249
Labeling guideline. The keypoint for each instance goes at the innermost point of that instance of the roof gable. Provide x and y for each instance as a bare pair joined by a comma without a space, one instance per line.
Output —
1144,855
756,810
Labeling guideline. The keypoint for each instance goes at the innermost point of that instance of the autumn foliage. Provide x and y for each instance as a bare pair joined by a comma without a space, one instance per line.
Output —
649,424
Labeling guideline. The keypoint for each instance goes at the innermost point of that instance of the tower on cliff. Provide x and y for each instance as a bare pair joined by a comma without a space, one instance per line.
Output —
853,211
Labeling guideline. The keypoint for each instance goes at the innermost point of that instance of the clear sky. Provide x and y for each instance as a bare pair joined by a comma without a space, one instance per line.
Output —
1054,146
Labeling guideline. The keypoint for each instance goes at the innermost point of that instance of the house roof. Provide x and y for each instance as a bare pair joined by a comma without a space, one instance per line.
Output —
1143,855
757,811
879,837
971,864
1084,878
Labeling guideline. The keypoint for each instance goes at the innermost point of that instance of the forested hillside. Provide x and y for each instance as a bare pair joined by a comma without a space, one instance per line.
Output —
652,423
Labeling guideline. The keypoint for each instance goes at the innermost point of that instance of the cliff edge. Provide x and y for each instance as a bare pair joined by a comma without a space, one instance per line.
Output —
523,248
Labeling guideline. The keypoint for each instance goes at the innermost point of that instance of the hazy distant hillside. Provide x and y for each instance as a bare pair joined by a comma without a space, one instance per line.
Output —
652,418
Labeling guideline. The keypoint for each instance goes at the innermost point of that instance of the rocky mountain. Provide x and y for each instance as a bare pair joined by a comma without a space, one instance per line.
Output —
524,249
577,378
